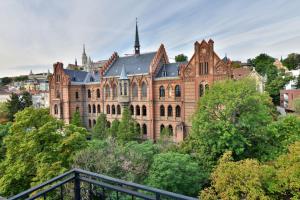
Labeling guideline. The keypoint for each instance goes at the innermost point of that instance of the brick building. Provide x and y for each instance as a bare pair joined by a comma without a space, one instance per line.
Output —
158,93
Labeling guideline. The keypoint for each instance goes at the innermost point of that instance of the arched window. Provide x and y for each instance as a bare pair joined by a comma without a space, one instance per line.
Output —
170,111
138,128
206,87
107,109
162,110
90,123
137,110
201,90
144,89
107,91
89,93
134,90
178,111
113,109
144,110
177,91
94,122
77,109
161,128
98,108
125,89
108,124
77,95
90,108
170,129
94,108
57,94
132,110
55,109
120,89
98,93
161,91
115,93
118,109
144,128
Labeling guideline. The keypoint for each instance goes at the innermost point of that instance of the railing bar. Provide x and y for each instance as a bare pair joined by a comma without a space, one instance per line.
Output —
61,192
90,191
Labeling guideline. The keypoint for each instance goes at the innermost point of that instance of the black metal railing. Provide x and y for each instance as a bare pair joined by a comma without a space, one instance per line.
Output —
79,184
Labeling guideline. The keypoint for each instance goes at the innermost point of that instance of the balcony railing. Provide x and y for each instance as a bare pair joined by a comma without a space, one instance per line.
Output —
79,184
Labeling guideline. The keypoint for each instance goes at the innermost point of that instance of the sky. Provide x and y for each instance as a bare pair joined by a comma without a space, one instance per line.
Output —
34,34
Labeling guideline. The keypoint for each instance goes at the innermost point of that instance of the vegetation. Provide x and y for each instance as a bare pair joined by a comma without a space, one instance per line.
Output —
17,103
297,105
297,84
100,129
6,81
292,61
76,119
181,58
3,113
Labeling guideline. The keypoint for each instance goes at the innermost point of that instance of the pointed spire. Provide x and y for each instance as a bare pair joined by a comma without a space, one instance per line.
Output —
137,40
75,61
84,50
123,75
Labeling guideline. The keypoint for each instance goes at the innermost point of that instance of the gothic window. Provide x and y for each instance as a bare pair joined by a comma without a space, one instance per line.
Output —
113,109
144,110
90,108
107,91
89,93
162,128
170,91
206,68
178,111
90,123
57,94
177,91
77,95
94,122
98,93
125,89
94,108
137,110
134,90
120,88
114,91
201,90
170,111
162,110
91,79
57,78
144,89
98,108
170,127
144,127
77,109
161,91
132,110
107,109
55,109
118,109
138,127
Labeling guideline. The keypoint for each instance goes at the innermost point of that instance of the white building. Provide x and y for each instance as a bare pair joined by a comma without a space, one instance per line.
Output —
295,73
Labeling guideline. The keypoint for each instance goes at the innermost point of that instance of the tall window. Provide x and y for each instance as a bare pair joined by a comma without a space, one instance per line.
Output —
90,108
94,108
203,68
137,110
162,128
107,91
206,87
170,127
132,110
77,95
107,109
201,90
134,90
144,128
115,93
144,110
178,111
118,109
177,91
98,93
144,89
77,109
162,110
55,109
113,109
57,94
98,108
125,89
161,91
89,93
138,128
94,122
170,111
90,123
120,88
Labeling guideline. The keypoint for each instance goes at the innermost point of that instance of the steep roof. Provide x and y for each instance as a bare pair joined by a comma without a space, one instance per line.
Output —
79,76
169,70
135,64
239,73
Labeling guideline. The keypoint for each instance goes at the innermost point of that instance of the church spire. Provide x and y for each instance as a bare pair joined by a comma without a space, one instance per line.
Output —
137,40
84,57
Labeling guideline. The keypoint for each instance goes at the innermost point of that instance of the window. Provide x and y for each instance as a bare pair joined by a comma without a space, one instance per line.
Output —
113,109
57,94
132,110
170,92
90,123
144,128
201,90
120,88
144,110
161,128
98,93
161,91
90,108
125,89
178,111
118,109
77,109
94,122
77,95
138,128
107,109
206,87
144,89
134,90
137,110
94,108
107,91
89,93
162,110
170,129
98,108
57,78
203,68
91,79
170,111
177,91
55,109
114,94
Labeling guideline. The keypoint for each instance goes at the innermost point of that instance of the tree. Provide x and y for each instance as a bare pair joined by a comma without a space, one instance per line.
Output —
292,61
3,132
263,63
3,112
297,84
13,106
297,105
128,129
100,129
6,80
114,128
175,172
76,119
38,147
181,58
25,100
236,64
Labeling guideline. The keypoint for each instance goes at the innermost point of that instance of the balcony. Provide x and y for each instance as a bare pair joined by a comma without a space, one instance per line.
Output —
79,184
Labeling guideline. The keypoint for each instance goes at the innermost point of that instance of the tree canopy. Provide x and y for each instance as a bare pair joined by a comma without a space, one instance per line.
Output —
181,58
76,119
18,102
127,129
292,61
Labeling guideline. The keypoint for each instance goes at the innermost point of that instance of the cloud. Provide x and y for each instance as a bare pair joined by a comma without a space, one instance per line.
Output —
35,33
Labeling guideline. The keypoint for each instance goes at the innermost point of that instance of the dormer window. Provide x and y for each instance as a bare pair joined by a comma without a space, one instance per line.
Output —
74,79
91,79
164,73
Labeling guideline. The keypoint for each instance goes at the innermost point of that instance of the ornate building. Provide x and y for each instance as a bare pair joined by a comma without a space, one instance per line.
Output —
158,93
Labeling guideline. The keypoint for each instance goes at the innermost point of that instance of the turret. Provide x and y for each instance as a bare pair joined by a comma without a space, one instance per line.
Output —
123,88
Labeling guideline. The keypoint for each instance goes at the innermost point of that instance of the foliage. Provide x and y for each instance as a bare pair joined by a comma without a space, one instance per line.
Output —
20,78
128,129
76,119
25,100
6,80
100,129
297,105
263,63
3,112
3,132
38,147
236,64
17,103
181,58
297,84
114,128
175,172
292,61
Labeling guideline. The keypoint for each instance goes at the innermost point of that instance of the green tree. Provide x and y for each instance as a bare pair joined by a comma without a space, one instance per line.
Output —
38,147
175,172
25,100
114,128
263,63
13,106
297,84
292,61
181,58
3,132
101,128
76,119
6,80
297,105
127,130
3,112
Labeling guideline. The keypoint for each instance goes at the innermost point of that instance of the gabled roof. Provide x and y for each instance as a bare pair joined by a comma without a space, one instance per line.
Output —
79,76
169,70
135,64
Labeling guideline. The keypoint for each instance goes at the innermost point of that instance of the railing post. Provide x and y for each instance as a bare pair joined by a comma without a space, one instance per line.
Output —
77,186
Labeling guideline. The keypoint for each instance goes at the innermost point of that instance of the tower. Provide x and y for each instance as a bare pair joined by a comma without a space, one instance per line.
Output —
123,88
84,57
137,40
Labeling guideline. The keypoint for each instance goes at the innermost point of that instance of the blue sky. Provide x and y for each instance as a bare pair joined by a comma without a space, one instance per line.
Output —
36,33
